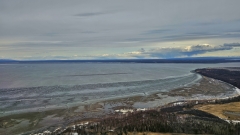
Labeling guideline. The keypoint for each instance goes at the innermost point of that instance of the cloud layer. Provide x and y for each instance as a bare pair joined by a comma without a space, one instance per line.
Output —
42,29
173,52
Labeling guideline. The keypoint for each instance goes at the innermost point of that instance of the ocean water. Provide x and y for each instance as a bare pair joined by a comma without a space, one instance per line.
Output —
30,87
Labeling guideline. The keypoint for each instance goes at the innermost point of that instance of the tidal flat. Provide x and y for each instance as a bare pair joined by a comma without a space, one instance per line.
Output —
38,99
53,119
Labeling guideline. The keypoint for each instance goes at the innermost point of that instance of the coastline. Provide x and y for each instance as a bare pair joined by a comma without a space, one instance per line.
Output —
108,108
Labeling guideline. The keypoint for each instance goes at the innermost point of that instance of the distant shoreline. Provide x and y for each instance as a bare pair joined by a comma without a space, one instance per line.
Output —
170,60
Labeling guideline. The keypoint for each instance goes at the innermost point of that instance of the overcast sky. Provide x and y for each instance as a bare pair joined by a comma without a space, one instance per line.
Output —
108,29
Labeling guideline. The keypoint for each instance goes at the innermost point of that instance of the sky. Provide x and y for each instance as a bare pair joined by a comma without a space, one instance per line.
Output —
123,29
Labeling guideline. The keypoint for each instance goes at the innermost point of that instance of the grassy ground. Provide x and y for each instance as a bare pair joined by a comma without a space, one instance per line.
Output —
229,111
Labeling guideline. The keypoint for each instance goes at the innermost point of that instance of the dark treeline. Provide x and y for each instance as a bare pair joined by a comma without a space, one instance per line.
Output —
228,100
189,121
231,77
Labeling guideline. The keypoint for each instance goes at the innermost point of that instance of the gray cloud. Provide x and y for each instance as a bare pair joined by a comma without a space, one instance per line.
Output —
189,50
90,14
231,44
157,31
173,52
110,26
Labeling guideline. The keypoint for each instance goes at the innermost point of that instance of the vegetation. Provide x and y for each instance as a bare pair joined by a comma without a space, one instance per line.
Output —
188,121
230,111
230,75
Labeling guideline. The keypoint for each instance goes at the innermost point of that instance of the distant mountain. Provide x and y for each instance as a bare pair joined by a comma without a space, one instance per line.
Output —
7,60
170,60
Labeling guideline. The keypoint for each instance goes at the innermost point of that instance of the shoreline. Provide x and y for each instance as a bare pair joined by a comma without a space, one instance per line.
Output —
107,108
